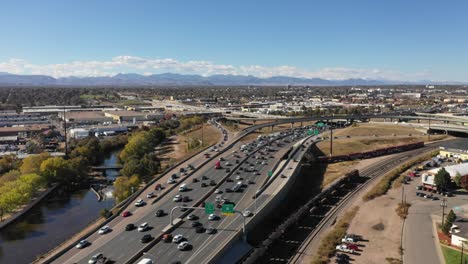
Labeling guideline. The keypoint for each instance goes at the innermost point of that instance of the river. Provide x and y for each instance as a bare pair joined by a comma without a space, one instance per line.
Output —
51,222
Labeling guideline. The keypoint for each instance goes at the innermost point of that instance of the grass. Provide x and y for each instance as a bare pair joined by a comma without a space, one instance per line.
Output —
368,129
327,247
385,183
453,256
211,135
334,171
402,209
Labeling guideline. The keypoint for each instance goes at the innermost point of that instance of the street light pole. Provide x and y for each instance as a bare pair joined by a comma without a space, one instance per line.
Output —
443,204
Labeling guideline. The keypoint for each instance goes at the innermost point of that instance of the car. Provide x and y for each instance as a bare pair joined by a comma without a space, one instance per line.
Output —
229,180
448,194
352,246
227,163
159,213
237,161
158,187
204,178
190,167
94,259
256,173
143,227
212,183
344,248
217,191
139,203
203,185
348,239
181,170
82,244
194,180
264,163
185,199
171,181
238,178
199,229
420,194
210,230
228,170
183,246
283,176
183,188
177,239
184,208
228,190
192,217
195,224
342,256
212,217
434,198
241,168
428,196
177,198
150,195
146,238
167,238
129,227
251,182
104,230
126,214
174,176
221,159
247,213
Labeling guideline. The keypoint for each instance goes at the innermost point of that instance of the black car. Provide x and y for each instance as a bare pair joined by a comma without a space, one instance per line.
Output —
159,213
195,224
212,183
183,209
229,180
194,180
228,190
228,169
203,185
146,238
237,161
199,229
129,227
204,177
342,256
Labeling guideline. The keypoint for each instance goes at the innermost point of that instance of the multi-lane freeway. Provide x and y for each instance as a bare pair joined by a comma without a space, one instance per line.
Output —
119,245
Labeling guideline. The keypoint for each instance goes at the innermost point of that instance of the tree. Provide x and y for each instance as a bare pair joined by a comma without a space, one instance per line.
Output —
457,179
125,186
449,219
442,179
32,164
58,170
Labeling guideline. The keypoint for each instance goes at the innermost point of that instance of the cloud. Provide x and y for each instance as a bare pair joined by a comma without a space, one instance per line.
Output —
133,64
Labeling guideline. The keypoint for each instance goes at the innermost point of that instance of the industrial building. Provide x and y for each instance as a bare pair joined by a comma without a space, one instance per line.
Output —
85,118
458,154
11,118
23,131
132,116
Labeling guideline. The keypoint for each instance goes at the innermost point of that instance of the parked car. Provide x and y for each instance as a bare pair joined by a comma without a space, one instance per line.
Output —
344,248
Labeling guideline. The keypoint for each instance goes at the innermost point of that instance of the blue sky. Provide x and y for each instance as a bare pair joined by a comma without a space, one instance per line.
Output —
406,40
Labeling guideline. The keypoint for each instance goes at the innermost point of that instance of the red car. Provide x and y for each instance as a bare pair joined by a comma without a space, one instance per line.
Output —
158,187
167,238
352,246
126,214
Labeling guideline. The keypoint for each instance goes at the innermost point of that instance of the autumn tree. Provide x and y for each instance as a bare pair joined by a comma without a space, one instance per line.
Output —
32,164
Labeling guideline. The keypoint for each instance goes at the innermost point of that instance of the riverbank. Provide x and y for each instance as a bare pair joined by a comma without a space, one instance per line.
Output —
10,218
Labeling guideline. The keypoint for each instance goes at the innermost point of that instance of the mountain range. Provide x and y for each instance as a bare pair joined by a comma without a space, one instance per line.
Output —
182,79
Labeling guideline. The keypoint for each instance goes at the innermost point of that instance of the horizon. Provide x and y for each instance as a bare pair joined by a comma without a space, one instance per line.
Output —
334,40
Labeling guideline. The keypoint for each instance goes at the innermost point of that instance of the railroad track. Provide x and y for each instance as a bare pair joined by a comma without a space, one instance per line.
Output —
370,173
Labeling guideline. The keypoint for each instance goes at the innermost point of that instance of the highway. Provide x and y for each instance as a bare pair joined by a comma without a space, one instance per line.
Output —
118,245
205,246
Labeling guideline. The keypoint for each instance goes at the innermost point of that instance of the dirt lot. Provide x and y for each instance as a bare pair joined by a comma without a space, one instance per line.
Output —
380,227
370,129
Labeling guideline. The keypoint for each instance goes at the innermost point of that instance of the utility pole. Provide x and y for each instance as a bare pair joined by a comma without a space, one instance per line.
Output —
429,130
202,141
331,138
443,204
65,129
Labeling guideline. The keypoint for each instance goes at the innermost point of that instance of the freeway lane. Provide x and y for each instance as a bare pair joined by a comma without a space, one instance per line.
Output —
167,252
119,223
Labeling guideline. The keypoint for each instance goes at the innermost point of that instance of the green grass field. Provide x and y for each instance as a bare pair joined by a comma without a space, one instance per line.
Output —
453,256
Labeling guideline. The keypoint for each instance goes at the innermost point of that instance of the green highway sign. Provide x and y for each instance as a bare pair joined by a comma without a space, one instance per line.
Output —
316,132
209,208
270,173
227,209
320,124
309,132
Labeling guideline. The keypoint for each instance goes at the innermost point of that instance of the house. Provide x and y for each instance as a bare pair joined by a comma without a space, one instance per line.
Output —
427,178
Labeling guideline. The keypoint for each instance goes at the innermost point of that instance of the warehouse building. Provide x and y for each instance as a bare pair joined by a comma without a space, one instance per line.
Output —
85,118
132,116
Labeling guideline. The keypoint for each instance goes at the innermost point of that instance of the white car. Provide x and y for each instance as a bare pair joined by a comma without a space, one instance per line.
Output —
217,191
94,259
171,181
104,230
139,202
143,227
348,240
227,163
183,188
177,198
150,195
238,177
212,217
344,248
177,239
183,246
82,244
247,214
